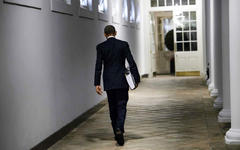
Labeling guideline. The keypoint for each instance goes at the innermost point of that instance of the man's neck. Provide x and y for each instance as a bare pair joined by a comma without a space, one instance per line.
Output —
111,36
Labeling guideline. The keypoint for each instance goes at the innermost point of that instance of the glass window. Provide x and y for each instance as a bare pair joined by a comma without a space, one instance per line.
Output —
186,16
153,3
102,6
176,2
179,37
132,12
194,46
179,28
169,2
193,15
138,15
186,26
84,3
68,2
193,26
192,2
179,47
194,36
161,2
186,46
186,36
184,2
125,10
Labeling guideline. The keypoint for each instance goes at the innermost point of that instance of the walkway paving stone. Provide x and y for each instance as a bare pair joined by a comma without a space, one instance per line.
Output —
164,113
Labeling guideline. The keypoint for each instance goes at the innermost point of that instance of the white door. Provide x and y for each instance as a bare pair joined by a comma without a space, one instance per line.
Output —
187,54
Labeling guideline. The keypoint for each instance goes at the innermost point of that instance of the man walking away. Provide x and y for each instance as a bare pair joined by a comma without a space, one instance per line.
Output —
112,53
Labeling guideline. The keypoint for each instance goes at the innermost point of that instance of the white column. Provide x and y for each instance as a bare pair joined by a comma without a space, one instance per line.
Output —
233,135
212,85
207,25
215,86
225,113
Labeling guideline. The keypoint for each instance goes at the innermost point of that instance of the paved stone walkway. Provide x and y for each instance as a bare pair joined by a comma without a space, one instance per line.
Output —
164,113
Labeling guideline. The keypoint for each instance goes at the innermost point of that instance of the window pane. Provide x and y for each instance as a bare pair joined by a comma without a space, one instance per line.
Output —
176,2
179,28
179,37
125,10
161,2
187,46
83,3
194,36
193,15
186,15
193,26
184,2
153,3
186,36
186,26
169,2
102,6
68,2
132,12
179,47
194,46
192,2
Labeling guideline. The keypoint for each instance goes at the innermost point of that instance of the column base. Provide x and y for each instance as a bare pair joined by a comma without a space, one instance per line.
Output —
214,93
210,86
218,103
224,116
233,137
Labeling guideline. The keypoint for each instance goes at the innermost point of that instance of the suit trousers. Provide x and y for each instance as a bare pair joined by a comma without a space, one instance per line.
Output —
117,100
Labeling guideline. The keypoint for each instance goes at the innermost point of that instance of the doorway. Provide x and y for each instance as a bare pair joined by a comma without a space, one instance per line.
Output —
163,36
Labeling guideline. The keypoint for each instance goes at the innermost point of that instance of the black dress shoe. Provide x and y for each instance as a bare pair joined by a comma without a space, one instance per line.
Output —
119,137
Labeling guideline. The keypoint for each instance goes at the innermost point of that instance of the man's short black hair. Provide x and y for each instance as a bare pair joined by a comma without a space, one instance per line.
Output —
109,29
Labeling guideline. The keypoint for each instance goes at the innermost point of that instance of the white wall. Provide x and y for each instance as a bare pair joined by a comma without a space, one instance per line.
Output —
46,70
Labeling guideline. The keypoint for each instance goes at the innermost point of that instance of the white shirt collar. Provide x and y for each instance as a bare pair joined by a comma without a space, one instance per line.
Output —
111,36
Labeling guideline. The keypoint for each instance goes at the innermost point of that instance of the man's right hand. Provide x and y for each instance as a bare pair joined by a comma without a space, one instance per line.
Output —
99,90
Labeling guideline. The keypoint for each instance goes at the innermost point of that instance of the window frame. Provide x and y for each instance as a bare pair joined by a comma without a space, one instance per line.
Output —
172,3
132,23
124,21
86,12
61,7
26,3
103,16
183,32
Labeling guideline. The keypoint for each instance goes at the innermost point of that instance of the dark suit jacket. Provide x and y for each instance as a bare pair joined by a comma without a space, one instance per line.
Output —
112,54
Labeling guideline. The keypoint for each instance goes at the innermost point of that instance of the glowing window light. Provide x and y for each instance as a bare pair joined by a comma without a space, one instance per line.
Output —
138,17
84,3
90,7
115,8
102,6
68,2
132,12
125,10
